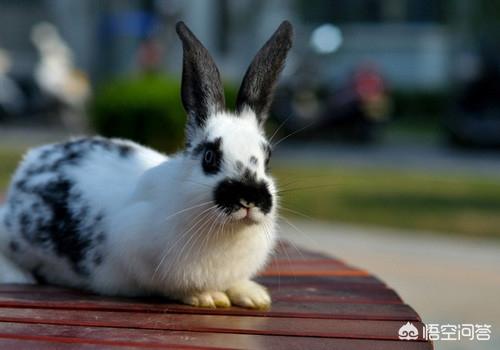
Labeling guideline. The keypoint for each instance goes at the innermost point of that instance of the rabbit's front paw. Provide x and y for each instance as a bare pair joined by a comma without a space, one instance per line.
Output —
208,299
249,294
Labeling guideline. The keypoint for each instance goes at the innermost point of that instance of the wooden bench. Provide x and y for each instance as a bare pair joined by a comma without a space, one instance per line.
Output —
318,303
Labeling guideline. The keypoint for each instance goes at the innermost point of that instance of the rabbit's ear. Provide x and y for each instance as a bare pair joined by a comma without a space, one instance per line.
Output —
257,88
202,91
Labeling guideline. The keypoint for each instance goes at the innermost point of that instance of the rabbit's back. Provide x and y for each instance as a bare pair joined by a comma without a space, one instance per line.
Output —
59,202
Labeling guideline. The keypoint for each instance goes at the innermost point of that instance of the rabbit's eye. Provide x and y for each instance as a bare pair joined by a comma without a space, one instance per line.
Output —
209,156
211,161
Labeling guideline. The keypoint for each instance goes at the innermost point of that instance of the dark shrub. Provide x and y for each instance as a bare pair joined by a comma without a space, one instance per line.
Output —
146,109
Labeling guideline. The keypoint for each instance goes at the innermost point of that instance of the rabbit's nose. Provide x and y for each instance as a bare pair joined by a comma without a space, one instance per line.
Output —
231,195
245,204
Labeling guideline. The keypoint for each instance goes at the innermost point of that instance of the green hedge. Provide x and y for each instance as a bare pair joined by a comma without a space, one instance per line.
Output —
146,109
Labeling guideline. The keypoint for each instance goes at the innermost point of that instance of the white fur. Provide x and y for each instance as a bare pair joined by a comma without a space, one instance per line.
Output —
162,233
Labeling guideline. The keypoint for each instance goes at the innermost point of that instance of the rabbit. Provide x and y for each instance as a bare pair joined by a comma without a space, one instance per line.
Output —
116,218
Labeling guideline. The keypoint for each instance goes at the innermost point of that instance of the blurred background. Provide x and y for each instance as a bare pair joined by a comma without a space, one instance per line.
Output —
386,122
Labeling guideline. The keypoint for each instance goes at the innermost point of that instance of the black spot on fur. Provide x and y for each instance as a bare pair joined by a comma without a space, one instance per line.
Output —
58,219
239,165
20,185
72,152
98,259
253,160
49,211
24,224
63,229
8,222
100,238
38,275
267,154
229,193
249,176
14,246
45,154
124,150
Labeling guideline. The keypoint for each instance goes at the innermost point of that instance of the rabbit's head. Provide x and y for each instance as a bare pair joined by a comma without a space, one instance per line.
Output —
229,150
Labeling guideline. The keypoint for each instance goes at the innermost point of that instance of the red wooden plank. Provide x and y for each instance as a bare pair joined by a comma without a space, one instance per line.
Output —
279,291
309,262
313,267
155,338
39,289
283,293
335,295
355,329
323,281
329,284
279,308
33,342
286,250
313,272
27,344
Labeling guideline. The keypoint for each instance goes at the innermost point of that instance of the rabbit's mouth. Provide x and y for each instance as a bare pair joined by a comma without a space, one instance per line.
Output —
248,215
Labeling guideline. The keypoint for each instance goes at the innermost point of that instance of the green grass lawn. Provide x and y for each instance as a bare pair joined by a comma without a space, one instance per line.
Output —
9,158
401,199
448,203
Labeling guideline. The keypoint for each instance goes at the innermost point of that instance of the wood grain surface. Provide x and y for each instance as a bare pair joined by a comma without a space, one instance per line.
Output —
318,303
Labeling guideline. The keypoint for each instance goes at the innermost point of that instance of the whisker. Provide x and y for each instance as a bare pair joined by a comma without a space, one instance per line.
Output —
312,187
222,227
288,257
195,234
301,232
297,213
207,235
186,209
304,179
278,129
197,220
293,133
197,183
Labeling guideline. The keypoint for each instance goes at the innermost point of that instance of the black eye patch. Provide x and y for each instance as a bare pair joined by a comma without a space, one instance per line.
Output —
211,155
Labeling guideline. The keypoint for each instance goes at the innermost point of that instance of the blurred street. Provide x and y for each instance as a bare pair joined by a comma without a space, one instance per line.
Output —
427,157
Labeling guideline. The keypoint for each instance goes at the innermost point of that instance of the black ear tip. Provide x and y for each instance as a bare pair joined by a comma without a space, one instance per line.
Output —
284,34
182,29
286,29
179,26
286,26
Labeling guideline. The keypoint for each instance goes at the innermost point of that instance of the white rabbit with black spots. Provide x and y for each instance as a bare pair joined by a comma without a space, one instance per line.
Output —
117,218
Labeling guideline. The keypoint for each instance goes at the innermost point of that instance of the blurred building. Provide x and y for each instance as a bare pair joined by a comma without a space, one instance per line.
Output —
411,41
